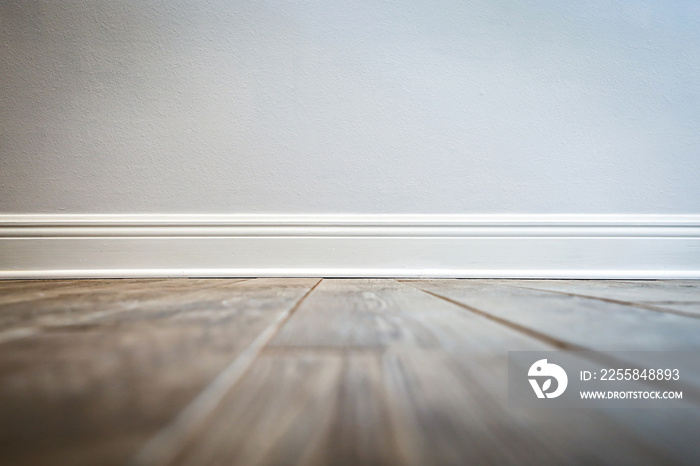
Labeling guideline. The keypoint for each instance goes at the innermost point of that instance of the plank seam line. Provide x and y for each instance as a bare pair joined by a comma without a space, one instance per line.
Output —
648,307
166,444
594,355
507,323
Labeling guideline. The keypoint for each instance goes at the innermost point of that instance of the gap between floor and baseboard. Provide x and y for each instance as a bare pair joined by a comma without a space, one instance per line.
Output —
336,245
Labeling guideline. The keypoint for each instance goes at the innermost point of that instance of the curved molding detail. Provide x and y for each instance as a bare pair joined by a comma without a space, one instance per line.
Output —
333,245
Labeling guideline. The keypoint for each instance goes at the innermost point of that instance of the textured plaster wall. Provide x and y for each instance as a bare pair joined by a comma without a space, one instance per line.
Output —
480,106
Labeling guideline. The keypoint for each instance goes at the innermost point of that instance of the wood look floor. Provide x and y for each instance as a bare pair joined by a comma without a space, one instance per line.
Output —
324,372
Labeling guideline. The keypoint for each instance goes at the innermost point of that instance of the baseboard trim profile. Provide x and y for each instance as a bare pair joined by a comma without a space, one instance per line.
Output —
483,246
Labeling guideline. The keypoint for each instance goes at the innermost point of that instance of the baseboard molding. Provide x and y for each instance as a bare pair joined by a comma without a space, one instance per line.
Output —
515,246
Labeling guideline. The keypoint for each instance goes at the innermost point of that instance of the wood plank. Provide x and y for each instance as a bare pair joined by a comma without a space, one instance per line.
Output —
441,383
364,372
449,411
37,290
578,321
674,295
317,407
93,394
343,313
19,290
377,313
79,304
300,408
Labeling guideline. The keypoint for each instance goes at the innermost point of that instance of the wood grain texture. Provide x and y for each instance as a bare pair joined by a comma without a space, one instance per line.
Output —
427,381
578,321
93,393
315,408
309,372
83,302
300,408
681,296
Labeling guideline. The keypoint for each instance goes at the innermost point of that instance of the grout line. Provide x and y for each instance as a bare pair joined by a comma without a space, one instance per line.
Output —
638,305
162,448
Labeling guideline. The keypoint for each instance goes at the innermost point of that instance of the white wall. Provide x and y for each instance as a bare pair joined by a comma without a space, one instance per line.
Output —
477,106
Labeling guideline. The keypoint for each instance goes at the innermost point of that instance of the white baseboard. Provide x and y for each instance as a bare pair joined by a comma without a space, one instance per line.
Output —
517,246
